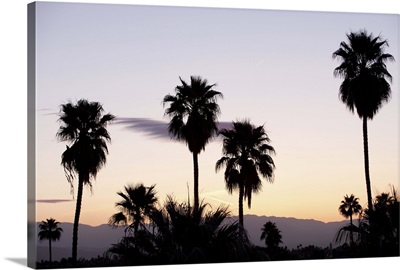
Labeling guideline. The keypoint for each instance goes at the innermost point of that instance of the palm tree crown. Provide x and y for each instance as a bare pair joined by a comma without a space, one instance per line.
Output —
49,230
350,206
246,154
193,112
83,125
138,202
365,87
271,234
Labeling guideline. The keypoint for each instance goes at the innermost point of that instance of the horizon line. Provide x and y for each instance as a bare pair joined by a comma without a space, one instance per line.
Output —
230,217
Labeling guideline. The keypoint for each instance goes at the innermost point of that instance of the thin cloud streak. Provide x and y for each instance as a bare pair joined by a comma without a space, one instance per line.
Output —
53,201
155,129
218,200
50,111
211,194
152,128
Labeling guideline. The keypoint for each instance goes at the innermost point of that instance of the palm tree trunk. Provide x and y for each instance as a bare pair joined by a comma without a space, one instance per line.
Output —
76,220
241,194
196,182
135,230
351,231
50,250
366,163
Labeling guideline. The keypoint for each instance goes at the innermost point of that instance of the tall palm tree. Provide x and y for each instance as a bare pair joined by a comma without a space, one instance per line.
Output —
271,234
365,87
83,126
193,112
49,230
246,154
349,207
137,204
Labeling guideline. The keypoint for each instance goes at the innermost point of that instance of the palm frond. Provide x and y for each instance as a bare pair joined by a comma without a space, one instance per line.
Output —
193,113
49,230
246,154
344,233
365,86
84,127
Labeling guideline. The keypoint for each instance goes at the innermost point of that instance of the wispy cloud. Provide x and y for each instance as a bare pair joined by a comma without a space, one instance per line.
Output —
156,129
212,195
53,201
152,128
218,200
46,111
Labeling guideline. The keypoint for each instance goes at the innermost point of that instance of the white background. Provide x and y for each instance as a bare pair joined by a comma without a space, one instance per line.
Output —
13,123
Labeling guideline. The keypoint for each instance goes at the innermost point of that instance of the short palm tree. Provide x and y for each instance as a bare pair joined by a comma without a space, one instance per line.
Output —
271,234
187,236
49,230
349,207
83,125
365,87
378,230
383,221
137,204
246,154
193,112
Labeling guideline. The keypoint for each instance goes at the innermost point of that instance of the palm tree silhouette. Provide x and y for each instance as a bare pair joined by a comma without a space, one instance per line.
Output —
365,87
381,224
187,236
49,230
349,207
137,204
246,153
193,112
83,125
271,234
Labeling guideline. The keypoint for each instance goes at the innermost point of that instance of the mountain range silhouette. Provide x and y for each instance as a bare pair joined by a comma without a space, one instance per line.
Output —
94,241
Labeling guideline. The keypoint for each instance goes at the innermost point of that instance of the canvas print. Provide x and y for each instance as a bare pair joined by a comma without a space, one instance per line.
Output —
162,135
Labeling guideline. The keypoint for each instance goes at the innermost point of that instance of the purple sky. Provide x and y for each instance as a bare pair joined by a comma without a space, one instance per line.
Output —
273,67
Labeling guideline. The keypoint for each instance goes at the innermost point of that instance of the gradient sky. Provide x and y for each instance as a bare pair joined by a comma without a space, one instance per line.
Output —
273,67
